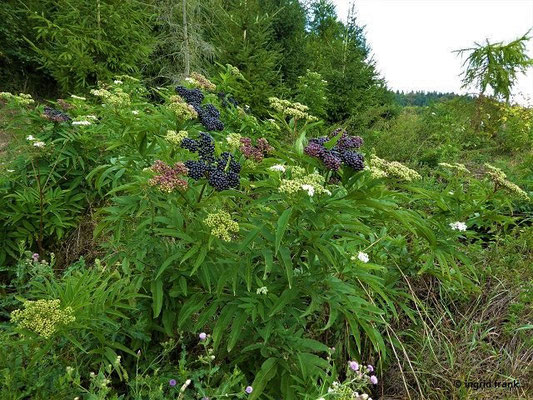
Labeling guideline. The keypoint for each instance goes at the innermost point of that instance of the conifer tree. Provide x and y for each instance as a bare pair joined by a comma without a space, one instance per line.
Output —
244,37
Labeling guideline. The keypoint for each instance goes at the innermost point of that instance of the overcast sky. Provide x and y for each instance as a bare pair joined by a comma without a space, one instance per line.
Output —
412,40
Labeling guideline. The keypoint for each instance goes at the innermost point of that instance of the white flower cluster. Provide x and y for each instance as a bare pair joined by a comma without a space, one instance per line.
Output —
81,123
262,290
458,226
36,142
278,168
361,256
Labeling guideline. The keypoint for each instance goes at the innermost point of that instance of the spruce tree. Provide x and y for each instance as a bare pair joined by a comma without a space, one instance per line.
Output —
243,37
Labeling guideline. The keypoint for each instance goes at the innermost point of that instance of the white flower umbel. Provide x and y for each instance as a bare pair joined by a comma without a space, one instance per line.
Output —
82,123
262,290
363,257
39,144
309,189
277,167
458,226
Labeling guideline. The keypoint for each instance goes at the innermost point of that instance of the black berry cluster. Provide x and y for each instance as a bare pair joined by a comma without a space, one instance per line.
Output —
222,172
342,152
191,96
227,100
54,115
208,114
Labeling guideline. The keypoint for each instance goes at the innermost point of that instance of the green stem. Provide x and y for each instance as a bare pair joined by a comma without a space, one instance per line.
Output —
201,192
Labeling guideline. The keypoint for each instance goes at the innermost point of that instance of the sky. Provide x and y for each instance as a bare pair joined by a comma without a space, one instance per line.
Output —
412,40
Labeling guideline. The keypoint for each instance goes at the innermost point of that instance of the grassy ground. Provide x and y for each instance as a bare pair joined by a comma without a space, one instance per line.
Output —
486,339
463,348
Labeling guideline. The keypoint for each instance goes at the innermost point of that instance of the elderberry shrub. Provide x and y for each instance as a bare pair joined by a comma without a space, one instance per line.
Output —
222,172
341,153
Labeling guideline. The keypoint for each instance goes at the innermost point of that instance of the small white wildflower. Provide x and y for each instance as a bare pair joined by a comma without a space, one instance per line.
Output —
458,226
327,192
262,290
39,144
78,97
277,167
118,82
135,112
30,137
309,189
363,257
82,123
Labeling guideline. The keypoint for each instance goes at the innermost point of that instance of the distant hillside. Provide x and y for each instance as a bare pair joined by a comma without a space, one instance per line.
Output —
421,98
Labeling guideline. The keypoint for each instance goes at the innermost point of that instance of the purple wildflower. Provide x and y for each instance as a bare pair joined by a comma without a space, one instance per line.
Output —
354,365
172,382
202,336
374,380
370,368
249,389
35,257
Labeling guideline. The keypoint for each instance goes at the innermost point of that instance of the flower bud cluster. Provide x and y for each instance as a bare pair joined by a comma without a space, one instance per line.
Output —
182,110
301,181
499,178
116,98
455,166
290,109
234,140
176,137
392,169
43,317
22,99
221,224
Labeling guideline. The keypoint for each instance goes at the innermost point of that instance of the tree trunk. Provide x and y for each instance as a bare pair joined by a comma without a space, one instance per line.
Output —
187,55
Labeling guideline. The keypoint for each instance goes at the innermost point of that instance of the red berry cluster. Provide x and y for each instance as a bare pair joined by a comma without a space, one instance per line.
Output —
168,177
257,152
